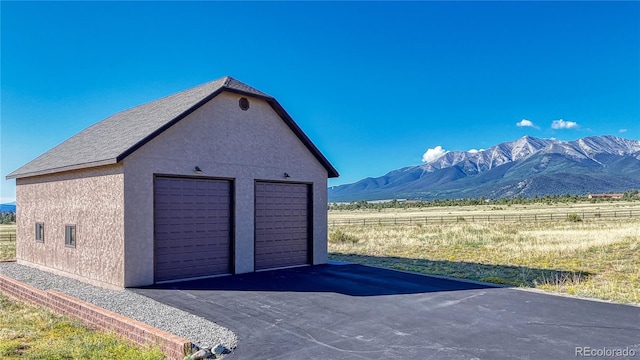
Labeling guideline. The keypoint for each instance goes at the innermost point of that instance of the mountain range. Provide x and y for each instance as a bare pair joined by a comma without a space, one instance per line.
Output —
8,207
526,167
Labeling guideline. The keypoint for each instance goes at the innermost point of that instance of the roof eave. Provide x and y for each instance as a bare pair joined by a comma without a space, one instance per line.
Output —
20,175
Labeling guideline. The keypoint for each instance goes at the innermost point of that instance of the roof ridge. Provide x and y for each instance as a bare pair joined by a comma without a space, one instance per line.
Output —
227,80
233,84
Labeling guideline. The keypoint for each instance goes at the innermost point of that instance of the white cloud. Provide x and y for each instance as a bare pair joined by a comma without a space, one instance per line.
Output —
622,130
526,123
472,151
433,154
561,124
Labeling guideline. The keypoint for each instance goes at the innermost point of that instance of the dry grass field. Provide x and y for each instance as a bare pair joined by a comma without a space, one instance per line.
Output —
597,258
7,247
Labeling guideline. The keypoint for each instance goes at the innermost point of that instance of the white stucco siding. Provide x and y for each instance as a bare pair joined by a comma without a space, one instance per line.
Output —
90,199
226,142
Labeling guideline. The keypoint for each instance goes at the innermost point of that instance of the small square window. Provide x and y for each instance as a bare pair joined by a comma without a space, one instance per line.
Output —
40,232
70,235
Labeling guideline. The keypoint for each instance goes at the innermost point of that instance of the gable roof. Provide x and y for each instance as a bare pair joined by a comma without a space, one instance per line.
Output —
114,138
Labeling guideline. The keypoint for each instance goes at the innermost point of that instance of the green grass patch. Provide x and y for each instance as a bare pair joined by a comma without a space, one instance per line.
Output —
28,332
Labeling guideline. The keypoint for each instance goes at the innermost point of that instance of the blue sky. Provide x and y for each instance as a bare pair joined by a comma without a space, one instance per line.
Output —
373,84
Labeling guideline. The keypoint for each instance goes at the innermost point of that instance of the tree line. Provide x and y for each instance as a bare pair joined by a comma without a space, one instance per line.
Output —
631,195
7,217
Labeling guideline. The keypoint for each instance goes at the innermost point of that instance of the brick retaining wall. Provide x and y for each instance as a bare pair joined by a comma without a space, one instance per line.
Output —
174,347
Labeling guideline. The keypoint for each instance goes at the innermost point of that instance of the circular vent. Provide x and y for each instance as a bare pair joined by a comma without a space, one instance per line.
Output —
244,104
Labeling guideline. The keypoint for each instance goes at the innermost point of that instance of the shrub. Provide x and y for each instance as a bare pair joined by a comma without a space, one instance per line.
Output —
339,236
574,218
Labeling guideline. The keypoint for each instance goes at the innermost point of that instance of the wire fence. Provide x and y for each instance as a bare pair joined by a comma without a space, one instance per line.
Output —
526,217
7,237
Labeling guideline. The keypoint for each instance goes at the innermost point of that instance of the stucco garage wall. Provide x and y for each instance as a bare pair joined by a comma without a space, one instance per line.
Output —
226,142
92,199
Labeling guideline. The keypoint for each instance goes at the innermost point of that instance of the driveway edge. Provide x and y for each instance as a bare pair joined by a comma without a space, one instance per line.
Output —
512,287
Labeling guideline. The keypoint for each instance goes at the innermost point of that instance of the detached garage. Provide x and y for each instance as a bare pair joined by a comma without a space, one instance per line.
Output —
214,180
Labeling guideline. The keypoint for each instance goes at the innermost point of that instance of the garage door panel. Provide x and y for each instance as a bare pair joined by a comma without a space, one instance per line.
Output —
192,228
281,225
285,259
287,248
193,270
193,251
180,257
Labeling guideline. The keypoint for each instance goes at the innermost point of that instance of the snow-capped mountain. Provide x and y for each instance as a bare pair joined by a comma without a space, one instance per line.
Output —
494,156
528,166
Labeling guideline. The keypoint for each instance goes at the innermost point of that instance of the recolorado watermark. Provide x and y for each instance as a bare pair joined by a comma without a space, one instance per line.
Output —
585,351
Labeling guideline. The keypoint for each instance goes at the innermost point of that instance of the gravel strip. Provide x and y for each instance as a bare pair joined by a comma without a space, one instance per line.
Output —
199,331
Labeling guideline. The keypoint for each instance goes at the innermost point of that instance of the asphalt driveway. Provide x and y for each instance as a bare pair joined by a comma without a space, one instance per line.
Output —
360,312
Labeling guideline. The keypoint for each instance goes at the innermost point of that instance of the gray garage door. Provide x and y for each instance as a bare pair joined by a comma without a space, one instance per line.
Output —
281,225
192,228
